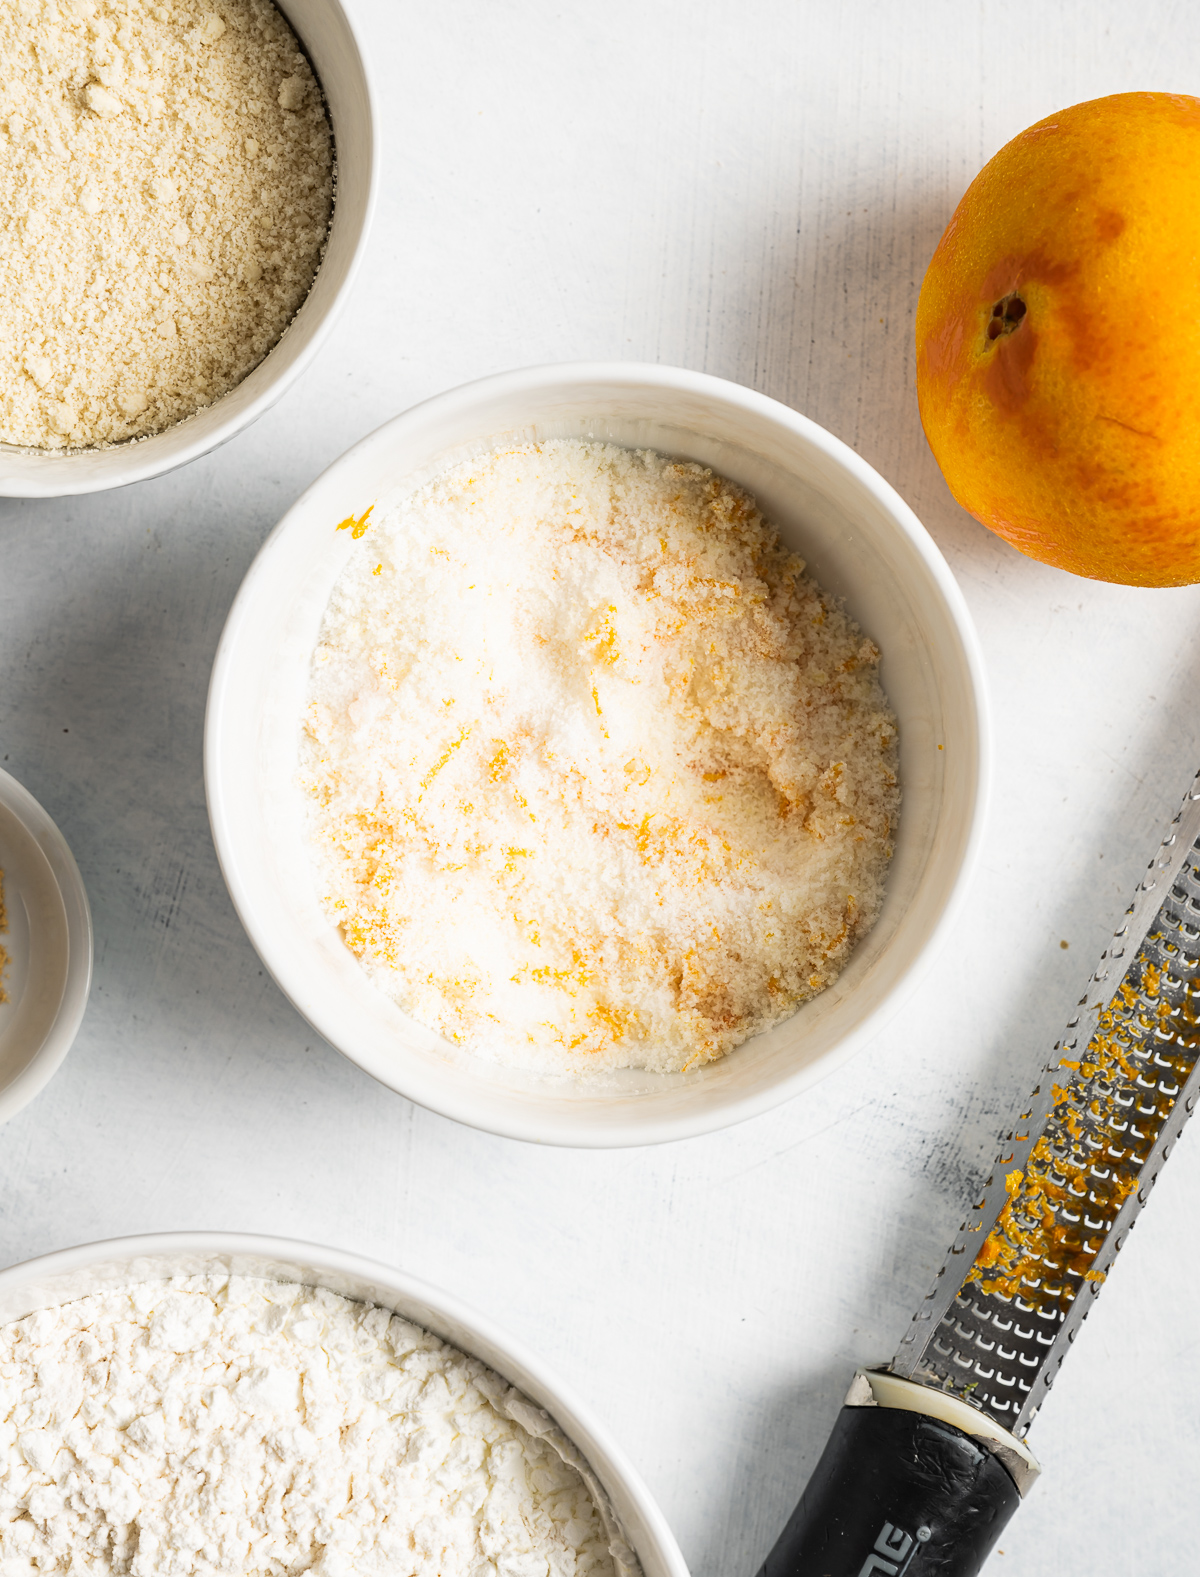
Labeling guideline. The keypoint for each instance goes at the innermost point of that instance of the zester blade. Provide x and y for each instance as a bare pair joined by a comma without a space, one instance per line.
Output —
1077,1167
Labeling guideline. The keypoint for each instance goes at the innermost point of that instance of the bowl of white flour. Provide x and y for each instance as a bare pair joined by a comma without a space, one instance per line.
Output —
201,1403
597,755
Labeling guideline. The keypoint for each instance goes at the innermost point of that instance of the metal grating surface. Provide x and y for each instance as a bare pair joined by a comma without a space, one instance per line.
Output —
1077,1168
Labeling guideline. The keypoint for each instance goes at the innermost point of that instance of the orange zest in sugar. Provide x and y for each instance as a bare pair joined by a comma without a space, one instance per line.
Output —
356,528
599,776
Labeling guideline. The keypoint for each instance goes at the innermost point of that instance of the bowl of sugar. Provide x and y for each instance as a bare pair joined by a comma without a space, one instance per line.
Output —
597,754
195,255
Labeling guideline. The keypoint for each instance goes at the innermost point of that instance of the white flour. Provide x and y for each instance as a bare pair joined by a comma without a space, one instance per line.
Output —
600,777
231,1426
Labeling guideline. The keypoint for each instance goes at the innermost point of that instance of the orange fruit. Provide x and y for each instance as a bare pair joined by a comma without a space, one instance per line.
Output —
1058,341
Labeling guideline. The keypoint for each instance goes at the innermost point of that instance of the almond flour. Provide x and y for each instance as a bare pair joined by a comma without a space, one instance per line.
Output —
166,183
600,777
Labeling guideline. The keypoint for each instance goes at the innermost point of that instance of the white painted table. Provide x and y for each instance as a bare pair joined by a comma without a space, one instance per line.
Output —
754,189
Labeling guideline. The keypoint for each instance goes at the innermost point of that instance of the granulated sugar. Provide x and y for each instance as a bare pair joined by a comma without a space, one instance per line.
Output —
165,192
600,777
225,1425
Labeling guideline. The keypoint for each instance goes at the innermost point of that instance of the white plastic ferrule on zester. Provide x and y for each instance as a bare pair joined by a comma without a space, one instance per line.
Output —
876,1388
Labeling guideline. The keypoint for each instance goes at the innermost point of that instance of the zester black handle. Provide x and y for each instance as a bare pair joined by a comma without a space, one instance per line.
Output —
896,1494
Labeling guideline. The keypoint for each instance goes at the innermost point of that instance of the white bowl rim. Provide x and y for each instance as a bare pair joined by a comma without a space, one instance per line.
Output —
60,482
77,985
462,1104
572,1415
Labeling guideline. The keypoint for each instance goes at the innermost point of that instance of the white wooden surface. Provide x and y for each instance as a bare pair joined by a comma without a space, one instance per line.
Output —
751,188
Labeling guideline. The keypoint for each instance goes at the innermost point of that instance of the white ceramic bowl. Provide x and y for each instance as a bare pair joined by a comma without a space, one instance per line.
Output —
49,943
121,1262
327,33
861,542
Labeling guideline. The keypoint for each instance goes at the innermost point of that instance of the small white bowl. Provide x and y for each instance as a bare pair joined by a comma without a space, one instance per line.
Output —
861,542
49,946
328,36
71,1273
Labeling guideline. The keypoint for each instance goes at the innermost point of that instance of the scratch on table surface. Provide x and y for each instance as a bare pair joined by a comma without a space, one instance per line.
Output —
1130,771
805,1138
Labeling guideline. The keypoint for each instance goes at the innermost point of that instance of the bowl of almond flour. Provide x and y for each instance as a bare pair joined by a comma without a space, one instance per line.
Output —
597,754
185,192
201,1403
